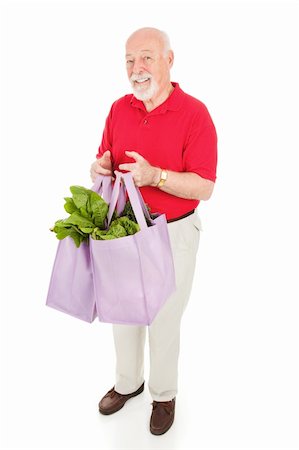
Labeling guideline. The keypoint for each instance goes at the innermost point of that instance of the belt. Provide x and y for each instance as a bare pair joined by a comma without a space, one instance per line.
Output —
181,217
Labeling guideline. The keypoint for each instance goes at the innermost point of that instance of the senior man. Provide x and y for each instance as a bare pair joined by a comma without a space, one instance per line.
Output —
167,139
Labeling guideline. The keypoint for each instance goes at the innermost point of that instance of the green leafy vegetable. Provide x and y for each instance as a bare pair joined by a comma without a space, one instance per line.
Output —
88,217
80,196
70,206
99,209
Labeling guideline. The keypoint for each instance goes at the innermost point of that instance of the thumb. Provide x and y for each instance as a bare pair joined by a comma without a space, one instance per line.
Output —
107,154
134,155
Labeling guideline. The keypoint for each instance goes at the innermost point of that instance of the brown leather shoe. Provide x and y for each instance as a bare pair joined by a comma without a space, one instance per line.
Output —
162,416
113,401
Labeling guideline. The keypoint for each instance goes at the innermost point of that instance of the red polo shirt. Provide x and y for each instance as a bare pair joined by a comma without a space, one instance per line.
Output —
178,135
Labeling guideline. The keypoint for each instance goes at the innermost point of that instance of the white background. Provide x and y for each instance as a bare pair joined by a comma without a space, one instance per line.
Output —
63,66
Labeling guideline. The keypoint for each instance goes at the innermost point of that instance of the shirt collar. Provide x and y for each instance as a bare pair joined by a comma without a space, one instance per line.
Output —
172,103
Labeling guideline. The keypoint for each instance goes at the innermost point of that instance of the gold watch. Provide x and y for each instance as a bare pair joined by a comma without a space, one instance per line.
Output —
163,178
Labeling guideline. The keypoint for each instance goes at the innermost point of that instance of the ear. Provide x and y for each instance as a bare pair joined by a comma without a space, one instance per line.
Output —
170,58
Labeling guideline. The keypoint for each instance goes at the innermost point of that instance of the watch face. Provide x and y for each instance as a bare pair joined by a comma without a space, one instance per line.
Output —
163,178
164,175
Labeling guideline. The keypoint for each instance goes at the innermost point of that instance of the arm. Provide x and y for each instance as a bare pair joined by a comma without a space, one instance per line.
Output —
181,184
184,184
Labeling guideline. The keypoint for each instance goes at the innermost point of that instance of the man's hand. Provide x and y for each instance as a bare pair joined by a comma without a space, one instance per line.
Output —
102,166
143,173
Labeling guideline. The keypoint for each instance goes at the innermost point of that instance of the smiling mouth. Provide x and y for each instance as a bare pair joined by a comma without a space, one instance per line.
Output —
142,81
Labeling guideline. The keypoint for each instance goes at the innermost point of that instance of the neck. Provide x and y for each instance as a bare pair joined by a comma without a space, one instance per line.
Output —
162,96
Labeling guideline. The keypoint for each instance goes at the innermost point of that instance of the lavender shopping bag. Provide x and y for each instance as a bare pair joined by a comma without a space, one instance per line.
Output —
133,275
71,287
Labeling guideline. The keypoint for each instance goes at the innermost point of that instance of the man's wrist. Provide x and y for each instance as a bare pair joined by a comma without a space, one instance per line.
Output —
156,176
163,178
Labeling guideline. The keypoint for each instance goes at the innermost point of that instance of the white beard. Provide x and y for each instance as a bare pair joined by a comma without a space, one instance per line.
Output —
147,94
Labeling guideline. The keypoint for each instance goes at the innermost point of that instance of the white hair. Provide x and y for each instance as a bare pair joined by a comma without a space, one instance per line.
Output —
166,42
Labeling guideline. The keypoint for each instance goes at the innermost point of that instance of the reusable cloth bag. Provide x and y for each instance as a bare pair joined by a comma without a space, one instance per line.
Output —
133,275
71,288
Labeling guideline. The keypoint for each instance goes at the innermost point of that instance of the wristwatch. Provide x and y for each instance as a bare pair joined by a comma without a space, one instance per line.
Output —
163,178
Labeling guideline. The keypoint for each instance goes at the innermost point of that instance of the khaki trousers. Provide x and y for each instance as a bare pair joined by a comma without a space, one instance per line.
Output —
164,332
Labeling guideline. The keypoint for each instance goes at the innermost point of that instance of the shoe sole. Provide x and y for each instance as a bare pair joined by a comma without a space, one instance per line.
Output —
107,413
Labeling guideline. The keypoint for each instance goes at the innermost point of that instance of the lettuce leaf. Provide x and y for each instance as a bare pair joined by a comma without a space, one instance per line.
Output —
99,209
88,217
69,205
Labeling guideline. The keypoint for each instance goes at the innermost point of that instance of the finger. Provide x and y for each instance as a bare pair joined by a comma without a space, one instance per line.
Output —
134,155
101,171
127,166
105,156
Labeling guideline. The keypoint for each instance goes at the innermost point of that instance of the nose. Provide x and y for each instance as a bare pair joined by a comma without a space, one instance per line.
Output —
138,66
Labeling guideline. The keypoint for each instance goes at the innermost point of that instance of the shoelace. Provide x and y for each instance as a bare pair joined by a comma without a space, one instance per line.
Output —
112,393
166,405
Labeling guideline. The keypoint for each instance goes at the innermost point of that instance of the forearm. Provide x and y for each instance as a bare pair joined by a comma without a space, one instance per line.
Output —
187,185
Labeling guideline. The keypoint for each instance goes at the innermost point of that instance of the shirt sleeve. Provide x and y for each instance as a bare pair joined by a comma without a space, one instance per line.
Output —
106,143
200,152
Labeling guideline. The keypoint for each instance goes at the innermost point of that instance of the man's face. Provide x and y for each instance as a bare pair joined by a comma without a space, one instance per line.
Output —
147,68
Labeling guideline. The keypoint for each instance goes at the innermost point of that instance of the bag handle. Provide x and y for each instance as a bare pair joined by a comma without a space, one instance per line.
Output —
102,185
144,207
135,197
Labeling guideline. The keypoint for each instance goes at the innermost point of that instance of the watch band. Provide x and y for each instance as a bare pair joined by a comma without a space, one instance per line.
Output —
163,178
